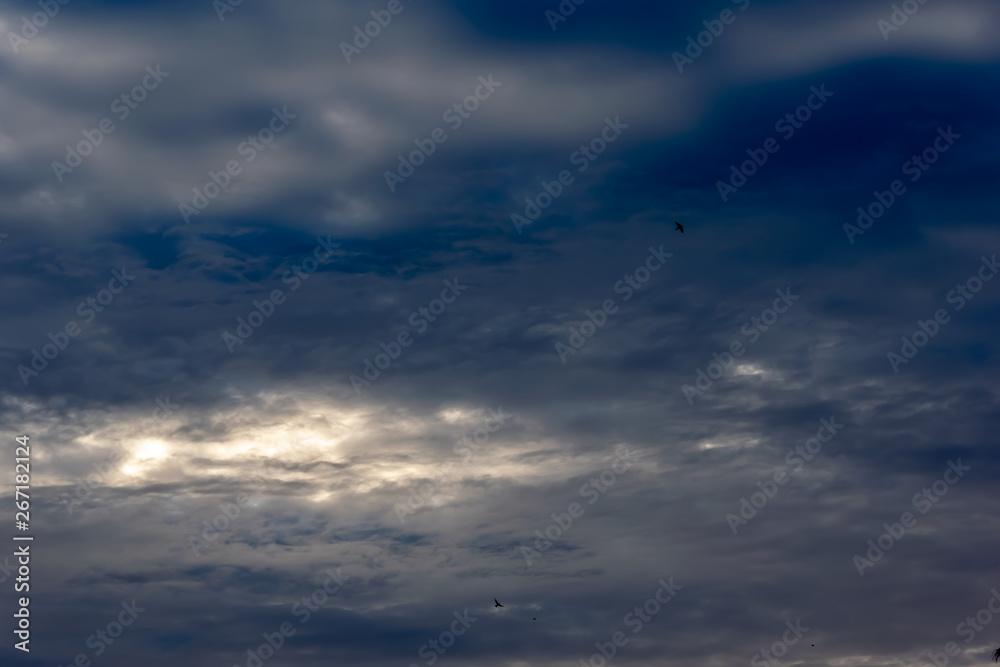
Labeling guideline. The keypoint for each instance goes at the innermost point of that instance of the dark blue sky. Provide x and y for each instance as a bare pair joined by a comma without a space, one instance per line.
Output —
407,317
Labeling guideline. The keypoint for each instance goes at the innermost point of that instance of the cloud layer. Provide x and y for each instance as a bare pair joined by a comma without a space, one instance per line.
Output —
365,405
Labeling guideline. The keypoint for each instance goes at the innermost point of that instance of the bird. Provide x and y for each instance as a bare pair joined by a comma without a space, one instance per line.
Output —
679,226
498,604
996,655
534,619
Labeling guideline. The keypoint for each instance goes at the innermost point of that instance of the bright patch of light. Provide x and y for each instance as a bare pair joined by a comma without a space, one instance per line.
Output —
320,497
455,415
734,443
151,449
145,457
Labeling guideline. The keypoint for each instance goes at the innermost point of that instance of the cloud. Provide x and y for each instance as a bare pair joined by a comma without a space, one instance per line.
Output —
316,469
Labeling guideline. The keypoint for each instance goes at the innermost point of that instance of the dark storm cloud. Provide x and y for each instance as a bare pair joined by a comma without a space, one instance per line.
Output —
270,469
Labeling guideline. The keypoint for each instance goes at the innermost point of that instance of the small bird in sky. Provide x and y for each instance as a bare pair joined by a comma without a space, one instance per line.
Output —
679,226
498,604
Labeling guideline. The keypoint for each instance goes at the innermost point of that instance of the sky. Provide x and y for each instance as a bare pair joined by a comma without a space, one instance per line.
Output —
332,323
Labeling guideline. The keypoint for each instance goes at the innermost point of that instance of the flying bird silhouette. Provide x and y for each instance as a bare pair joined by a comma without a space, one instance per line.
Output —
498,604
681,228
996,655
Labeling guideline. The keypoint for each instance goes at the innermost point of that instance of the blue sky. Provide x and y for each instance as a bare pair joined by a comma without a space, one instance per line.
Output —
404,319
